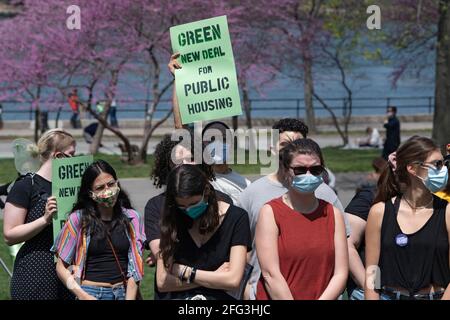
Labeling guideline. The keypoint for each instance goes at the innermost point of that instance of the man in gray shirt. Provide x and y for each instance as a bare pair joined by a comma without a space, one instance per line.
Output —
255,196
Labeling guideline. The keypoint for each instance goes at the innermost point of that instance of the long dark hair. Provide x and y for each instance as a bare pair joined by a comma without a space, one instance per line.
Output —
90,218
392,184
182,182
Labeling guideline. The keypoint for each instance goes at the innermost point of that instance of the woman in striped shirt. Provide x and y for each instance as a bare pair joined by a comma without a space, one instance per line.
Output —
99,249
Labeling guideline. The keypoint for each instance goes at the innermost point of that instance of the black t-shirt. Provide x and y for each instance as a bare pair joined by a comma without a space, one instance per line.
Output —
101,266
361,202
152,216
22,193
233,231
360,207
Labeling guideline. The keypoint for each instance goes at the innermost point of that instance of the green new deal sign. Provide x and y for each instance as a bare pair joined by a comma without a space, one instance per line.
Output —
66,181
206,86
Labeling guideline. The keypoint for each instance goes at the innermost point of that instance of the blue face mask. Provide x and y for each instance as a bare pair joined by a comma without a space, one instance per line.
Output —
436,180
307,183
196,210
219,152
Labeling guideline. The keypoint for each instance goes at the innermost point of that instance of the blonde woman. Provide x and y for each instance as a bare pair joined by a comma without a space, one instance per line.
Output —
28,218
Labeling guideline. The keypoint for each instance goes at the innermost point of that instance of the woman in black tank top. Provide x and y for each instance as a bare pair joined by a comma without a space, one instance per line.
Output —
407,234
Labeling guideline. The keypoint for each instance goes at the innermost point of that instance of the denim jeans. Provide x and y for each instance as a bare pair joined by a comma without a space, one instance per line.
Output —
102,293
113,116
75,121
358,294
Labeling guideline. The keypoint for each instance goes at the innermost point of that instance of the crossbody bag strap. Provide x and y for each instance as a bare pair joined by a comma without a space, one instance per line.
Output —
124,279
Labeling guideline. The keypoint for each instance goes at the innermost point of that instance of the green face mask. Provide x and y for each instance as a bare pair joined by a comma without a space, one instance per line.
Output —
196,211
107,197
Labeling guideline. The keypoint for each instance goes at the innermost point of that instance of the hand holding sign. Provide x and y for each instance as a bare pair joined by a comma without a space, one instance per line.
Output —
174,64
206,86
51,209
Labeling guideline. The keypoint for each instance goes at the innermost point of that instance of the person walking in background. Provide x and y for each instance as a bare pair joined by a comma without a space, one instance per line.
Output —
74,103
100,106
28,218
113,114
204,241
408,228
103,238
392,126
301,240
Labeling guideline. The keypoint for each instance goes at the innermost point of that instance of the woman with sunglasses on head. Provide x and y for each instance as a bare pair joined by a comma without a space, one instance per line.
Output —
99,249
28,218
301,241
204,242
407,234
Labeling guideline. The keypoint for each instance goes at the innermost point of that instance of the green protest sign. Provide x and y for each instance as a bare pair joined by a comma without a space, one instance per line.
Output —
206,86
66,181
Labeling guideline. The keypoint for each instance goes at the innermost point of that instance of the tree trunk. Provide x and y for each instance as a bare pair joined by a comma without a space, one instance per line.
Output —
117,132
441,122
308,95
37,115
247,104
110,94
97,140
148,134
333,116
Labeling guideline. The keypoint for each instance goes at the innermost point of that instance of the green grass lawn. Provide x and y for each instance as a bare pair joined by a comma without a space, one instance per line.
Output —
336,159
146,286
5,256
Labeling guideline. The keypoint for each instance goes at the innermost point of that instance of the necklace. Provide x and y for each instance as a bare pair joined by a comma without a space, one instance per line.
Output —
416,208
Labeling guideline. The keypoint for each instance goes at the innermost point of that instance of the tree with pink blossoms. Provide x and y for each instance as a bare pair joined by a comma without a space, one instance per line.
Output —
117,39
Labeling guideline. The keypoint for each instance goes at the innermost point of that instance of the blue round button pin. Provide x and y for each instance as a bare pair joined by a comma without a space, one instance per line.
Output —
401,240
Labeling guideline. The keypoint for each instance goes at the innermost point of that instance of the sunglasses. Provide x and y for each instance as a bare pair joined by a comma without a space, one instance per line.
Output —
437,165
314,170
62,155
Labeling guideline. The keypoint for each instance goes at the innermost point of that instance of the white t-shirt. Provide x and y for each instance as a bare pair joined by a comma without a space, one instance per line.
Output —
231,184
375,138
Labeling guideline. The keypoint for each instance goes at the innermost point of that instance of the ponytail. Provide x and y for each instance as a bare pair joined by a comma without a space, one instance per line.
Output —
395,177
388,186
